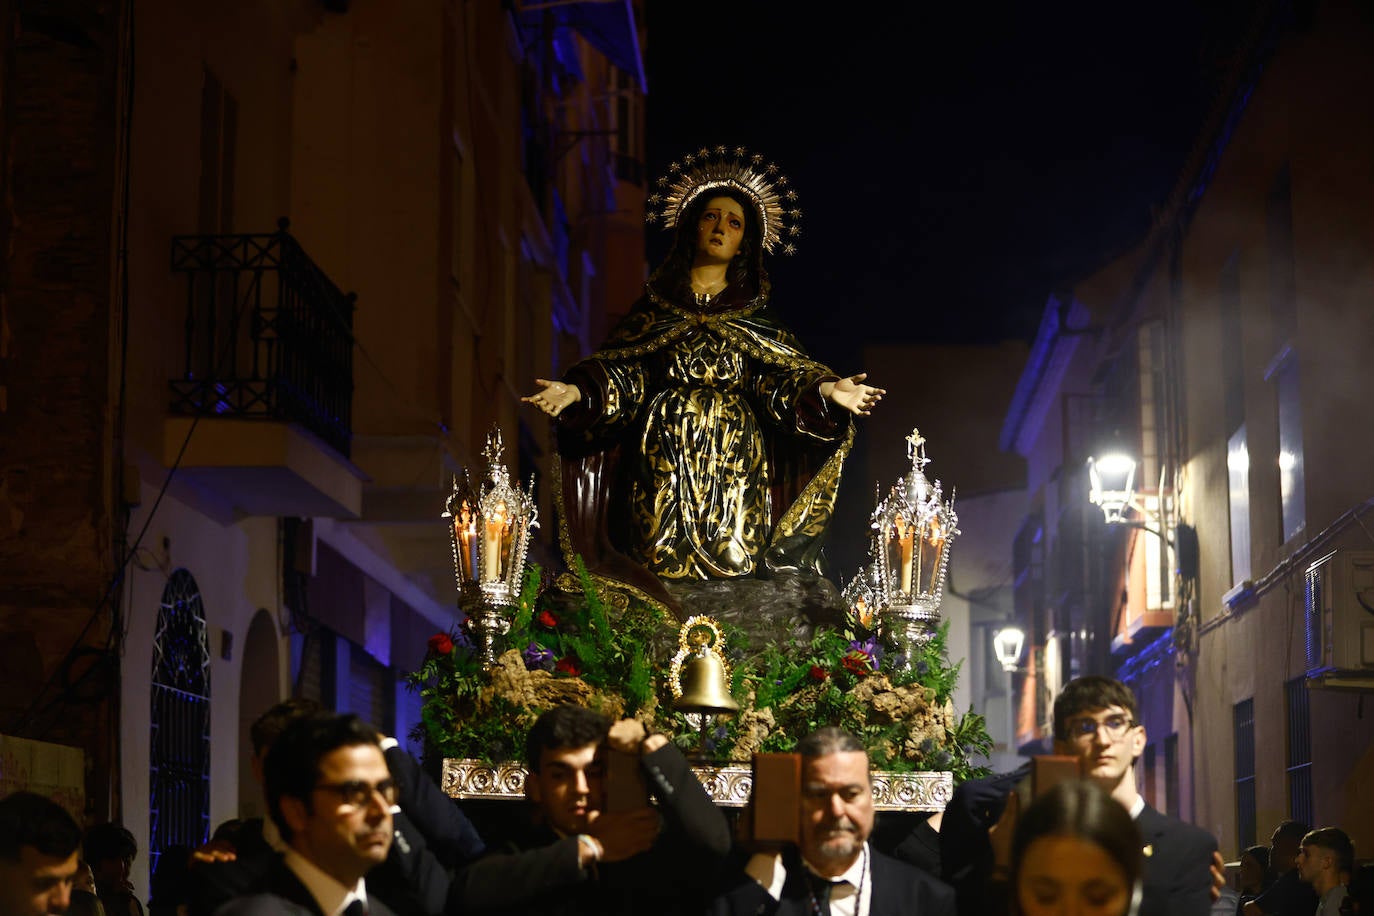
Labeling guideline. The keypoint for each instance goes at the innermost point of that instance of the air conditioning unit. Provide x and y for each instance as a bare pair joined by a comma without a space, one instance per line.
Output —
1338,603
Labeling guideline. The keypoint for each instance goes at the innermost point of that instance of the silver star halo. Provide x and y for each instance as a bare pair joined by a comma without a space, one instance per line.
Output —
734,168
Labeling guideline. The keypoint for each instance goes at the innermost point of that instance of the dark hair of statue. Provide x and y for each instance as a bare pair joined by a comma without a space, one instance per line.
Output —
674,275
564,727
1083,810
292,766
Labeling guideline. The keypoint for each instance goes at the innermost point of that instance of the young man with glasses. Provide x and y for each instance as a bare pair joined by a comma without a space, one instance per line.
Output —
1097,721
330,795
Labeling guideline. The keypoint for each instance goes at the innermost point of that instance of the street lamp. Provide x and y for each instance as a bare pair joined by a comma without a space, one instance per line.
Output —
1006,645
1111,484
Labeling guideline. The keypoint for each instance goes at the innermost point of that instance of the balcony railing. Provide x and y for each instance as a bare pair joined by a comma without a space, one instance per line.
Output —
268,334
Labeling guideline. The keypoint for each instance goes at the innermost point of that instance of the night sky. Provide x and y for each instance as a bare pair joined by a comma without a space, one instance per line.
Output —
955,162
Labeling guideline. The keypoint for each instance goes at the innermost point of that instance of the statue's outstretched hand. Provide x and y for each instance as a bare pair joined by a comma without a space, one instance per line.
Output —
851,394
552,397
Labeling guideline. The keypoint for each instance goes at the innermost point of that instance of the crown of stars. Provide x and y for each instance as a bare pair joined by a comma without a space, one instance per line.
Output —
733,168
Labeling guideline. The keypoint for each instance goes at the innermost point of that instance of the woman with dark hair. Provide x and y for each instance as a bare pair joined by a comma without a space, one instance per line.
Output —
1255,877
700,442
1076,850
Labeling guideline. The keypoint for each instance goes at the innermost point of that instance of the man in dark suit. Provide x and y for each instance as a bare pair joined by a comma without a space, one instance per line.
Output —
330,795
1096,720
832,870
431,834
580,858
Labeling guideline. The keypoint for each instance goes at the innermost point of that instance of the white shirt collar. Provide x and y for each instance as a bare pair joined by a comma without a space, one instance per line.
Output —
857,889
1137,806
332,896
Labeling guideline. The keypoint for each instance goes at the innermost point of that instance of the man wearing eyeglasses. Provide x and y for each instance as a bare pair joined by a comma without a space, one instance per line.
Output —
1096,720
330,794
430,834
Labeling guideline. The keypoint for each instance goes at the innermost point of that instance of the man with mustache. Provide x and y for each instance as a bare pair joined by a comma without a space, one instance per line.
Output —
330,794
833,871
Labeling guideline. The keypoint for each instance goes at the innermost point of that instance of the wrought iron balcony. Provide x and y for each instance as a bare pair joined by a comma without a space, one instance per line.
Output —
268,334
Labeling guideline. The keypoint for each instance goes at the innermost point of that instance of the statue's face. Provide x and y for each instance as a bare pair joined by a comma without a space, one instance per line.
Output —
719,231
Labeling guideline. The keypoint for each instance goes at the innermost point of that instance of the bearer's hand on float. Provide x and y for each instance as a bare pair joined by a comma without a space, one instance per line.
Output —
851,394
553,396
623,834
630,736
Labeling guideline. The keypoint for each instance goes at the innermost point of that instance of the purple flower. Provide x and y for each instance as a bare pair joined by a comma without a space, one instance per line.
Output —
537,657
868,649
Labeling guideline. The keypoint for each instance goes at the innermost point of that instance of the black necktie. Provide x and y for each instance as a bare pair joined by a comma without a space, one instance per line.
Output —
820,893
356,908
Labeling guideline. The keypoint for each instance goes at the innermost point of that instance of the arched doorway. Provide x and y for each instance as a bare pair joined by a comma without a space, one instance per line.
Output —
259,691
179,778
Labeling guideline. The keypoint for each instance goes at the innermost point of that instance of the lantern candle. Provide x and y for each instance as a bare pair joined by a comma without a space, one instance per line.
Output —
491,571
469,535
936,539
904,539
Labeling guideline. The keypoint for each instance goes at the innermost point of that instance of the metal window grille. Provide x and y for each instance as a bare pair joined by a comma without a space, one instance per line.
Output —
1244,719
179,788
1299,763
371,690
317,678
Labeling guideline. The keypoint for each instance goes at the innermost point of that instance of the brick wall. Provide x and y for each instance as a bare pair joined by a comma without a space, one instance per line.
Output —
58,115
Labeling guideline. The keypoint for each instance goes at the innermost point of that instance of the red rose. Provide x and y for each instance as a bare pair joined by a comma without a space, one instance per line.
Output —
818,673
547,620
441,644
567,665
858,663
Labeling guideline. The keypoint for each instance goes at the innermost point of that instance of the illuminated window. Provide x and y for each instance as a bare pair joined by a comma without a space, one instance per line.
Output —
179,762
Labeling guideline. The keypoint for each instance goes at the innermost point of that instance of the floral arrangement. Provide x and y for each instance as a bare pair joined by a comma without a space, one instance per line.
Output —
564,651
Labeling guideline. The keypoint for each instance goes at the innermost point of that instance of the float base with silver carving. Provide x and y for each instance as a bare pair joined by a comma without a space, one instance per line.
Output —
728,786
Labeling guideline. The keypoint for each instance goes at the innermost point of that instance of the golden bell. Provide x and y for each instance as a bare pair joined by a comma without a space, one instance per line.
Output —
704,688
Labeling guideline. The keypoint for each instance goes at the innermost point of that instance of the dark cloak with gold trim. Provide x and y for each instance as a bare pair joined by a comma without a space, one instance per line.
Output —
701,449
